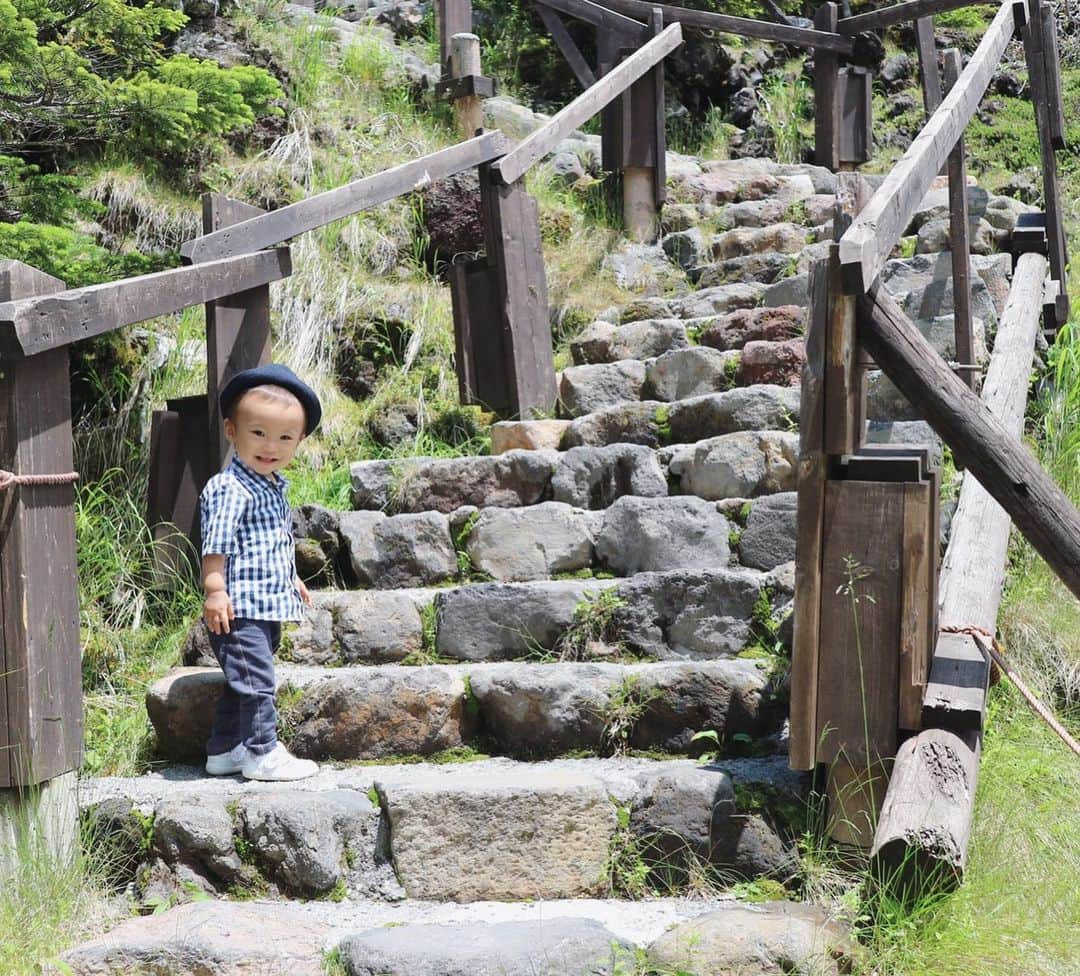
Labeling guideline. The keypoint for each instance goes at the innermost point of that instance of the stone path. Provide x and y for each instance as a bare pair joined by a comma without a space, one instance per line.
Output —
617,578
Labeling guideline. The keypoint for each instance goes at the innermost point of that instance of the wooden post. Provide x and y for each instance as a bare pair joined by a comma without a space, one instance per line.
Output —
958,242
40,675
826,93
465,63
854,101
452,17
644,148
929,77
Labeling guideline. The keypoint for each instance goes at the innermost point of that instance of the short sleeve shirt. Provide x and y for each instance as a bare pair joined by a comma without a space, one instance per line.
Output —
246,518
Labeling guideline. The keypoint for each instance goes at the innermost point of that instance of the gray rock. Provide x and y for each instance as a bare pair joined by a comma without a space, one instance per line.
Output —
744,464
513,544
373,712
304,841
554,947
780,238
790,291
657,534
603,342
472,837
769,537
197,652
755,213
374,627
640,309
642,268
922,286
760,407
506,480
1002,213
625,423
312,640
934,236
687,248
690,372
718,300
763,268
318,541
771,939
593,477
403,550
566,168
181,708
995,271
500,621
586,389
211,937
689,614
914,432
199,836
884,402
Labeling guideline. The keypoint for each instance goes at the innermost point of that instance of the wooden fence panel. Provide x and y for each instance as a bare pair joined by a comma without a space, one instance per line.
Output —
40,674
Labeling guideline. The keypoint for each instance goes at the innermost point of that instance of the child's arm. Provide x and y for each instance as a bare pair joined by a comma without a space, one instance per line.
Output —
305,596
217,607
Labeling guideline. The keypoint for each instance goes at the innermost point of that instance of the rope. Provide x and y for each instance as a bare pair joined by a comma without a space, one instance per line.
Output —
7,479
976,632
992,652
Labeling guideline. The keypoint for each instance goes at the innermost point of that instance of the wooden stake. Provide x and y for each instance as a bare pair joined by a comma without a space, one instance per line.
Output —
465,62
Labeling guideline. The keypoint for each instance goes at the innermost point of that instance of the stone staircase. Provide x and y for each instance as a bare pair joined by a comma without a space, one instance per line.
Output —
521,647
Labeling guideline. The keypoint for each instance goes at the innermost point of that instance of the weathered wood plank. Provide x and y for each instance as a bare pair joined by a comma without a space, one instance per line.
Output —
40,674
743,26
929,78
980,442
854,790
917,601
867,244
561,36
922,834
956,692
452,17
802,749
1052,61
536,146
603,17
34,325
826,94
304,215
858,660
959,246
898,14
855,105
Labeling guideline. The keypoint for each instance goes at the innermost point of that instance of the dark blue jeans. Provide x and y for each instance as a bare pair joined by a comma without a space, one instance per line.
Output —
246,711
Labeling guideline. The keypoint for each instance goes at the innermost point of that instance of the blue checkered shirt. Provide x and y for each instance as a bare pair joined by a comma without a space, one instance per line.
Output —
246,518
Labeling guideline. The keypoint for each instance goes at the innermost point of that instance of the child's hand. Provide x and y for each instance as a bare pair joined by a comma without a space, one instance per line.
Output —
304,595
218,611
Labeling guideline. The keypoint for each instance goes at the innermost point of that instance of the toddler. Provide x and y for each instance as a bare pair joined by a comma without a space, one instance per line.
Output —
249,567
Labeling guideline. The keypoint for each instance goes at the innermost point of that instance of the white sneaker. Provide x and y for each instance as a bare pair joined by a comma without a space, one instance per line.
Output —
278,766
227,763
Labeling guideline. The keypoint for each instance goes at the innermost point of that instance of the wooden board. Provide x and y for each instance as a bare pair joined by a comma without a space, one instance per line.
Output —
607,19
858,669
855,790
854,102
959,245
898,14
237,327
1052,61
826,94
979,440
929,78
866,245
956,691
452,17
818,39
479,337
561,36
40,657
33,325
918,597
279,225
536,146
802,749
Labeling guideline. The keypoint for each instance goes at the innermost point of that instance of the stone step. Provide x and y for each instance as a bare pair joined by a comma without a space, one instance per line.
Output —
511,708
373,551
690,614
493,829
576,937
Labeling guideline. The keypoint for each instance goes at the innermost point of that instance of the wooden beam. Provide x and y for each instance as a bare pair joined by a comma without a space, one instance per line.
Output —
959,248
33,325
980,442
561,36
743,26
370,191
40,679
600,16
867,244
955,696
535,147
899,14
1052,61
452,17
826,95
929,77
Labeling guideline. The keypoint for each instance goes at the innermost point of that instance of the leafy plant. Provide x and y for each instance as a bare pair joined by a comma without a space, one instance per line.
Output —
622,711
594,631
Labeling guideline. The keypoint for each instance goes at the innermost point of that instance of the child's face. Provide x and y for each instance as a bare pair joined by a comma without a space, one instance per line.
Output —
265,432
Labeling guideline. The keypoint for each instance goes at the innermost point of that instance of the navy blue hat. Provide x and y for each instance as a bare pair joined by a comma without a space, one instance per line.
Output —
273,374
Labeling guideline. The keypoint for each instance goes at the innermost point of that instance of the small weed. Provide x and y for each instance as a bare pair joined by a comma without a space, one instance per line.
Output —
428,652
622,711
626,870
662,419
289,699
373,796
594,631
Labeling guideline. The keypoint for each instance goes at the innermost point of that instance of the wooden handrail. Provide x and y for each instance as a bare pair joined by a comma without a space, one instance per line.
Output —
33,325
870,239
745,26
889,16
599,16
343,201
535,147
